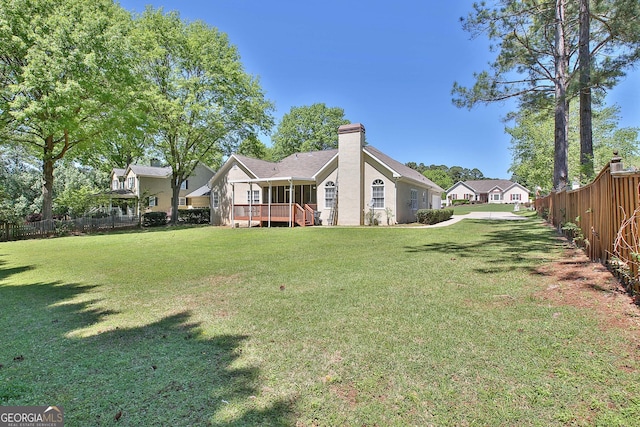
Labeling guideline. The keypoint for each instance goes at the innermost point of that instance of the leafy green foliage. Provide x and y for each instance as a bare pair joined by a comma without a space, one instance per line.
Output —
308,128
537,60
204,103
66,73
532,145
154,219
194,216
446,176
433,216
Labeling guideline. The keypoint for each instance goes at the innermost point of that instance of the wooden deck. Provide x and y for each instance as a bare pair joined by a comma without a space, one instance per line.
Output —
276,213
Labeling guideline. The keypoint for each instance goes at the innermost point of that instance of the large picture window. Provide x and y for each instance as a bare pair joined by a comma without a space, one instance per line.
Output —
329,194
377,193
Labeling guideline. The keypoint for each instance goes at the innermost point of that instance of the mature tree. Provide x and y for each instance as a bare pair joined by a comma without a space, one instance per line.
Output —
253,147
64,73
308,128
122,147
78,189
439,177
202,102
20,184
447,176
532,148
538,62
584,62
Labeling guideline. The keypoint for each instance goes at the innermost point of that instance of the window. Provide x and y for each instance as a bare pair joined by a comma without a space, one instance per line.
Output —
414,199
216,200
115,184
496,197
377,193
182,201
153,201
329,194
256,196
516,196
131,183
184,185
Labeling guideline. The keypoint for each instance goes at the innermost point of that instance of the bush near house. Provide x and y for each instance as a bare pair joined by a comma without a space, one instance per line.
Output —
433,216
154,219
194,216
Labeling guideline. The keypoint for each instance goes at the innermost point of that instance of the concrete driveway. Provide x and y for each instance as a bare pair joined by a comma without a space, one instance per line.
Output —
496,216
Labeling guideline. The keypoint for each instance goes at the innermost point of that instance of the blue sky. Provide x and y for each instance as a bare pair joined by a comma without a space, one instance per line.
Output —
389,65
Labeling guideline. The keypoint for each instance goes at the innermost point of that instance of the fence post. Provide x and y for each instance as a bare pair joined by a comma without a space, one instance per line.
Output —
616,162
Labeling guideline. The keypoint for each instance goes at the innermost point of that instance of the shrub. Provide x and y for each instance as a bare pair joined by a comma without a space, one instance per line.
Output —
457,202
34,217
154,219
433,216
194,216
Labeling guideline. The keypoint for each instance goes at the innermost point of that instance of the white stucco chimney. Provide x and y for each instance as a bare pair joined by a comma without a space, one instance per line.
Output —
350,174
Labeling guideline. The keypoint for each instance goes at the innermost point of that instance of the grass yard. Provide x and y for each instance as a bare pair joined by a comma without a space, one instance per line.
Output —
485,207
313,326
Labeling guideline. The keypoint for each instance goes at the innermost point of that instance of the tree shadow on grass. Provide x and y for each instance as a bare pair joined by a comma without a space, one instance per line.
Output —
5,272
162,373
508,245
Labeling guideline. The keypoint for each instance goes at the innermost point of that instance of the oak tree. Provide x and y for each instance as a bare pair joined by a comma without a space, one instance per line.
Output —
202,104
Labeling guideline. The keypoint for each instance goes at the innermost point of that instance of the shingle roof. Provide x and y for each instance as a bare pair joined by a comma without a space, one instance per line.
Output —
304,165
199,192
307,165
299,165
151,171
402,169
261,168
486,185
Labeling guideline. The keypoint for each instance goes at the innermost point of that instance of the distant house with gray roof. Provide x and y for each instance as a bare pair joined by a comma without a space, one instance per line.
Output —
488,191
354,184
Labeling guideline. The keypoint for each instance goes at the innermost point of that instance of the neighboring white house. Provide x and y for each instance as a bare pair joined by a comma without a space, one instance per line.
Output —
351,185
138,189
488,191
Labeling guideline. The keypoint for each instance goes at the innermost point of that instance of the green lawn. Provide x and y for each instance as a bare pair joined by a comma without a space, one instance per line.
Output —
307,326
485,207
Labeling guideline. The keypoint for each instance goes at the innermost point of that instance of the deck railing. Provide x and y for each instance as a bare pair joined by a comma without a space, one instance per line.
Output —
275,212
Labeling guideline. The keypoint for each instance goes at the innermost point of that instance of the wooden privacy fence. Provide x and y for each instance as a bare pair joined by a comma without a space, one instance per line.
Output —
39,229
607,213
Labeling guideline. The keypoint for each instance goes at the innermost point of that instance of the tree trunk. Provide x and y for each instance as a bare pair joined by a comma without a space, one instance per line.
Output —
561,143
584,60
47,175
175,197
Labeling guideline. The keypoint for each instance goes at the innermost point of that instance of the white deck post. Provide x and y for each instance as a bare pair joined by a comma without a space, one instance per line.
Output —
233,204
291,203
269,226
250,203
